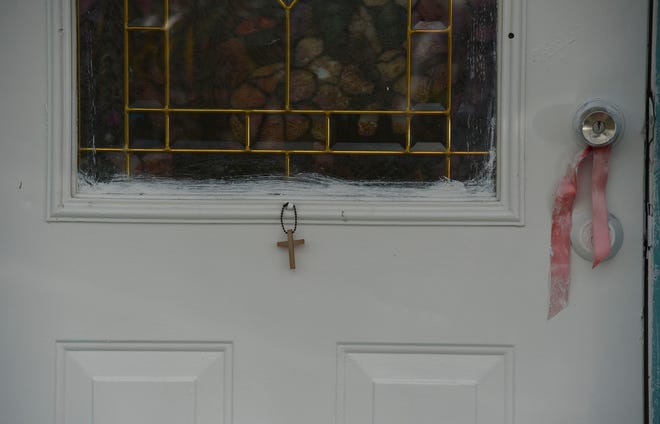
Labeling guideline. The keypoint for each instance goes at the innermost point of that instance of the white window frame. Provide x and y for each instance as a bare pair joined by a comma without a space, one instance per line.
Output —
66,203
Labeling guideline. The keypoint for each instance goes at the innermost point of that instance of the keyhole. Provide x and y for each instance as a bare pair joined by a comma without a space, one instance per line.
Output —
598,127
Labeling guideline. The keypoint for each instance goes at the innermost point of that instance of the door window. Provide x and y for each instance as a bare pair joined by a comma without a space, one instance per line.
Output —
373,90
376,111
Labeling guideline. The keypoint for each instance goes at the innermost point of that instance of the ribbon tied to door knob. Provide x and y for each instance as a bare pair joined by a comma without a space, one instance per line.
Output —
598,125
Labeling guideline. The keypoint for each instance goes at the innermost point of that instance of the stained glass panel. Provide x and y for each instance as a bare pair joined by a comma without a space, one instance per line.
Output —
362,90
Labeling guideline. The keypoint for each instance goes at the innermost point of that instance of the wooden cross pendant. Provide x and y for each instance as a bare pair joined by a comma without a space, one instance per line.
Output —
290,243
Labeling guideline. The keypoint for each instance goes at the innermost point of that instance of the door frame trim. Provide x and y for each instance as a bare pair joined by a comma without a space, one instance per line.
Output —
65,202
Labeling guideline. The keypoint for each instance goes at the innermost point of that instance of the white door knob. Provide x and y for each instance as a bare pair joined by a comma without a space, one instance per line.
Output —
582,236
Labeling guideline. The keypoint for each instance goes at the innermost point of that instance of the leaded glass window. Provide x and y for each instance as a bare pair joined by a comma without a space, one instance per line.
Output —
357,90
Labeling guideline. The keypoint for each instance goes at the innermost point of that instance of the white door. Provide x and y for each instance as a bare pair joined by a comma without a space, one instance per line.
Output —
200,323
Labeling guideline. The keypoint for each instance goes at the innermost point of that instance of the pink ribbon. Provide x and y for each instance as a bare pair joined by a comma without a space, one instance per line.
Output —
562,221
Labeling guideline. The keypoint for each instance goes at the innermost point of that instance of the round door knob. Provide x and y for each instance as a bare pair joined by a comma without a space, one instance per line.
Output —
582,236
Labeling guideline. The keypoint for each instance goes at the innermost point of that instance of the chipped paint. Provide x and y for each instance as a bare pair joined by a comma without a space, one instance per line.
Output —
654,243
550,48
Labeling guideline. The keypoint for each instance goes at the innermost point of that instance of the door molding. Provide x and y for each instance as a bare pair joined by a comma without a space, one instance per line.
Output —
66,202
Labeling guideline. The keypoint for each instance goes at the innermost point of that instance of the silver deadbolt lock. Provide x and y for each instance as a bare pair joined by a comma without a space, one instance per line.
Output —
598,123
